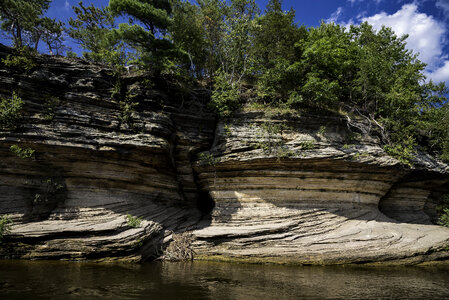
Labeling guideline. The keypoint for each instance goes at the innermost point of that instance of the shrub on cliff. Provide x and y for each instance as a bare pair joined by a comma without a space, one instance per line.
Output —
22,152
23,59
133,221
444,218
225,97
442,210
5,226
10,111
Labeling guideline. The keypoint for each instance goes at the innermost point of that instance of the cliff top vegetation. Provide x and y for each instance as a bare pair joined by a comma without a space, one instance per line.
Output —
247,56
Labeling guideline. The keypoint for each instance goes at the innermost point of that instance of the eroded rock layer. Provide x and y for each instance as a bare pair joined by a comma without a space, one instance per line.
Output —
304,193
93,170
260,186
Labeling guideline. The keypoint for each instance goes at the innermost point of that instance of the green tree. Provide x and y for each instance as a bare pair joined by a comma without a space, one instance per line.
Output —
225,97
51,32
213,22
237,55
389,88
275,37
93,30
434,123
19,19
147,36
188,33
327,63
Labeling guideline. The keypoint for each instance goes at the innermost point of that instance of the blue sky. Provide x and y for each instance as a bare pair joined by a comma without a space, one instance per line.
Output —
426,22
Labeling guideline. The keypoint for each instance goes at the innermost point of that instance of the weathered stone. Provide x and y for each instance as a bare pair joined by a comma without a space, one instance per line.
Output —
286,188
298,195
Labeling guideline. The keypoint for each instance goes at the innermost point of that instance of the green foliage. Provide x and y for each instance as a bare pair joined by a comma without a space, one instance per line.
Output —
90,29
51,104
22,152
325,62
274,128
435,125
225,96
133,221
275,36
50,190
212,18
308,145
236,50
153,19
444,218
269,139
71,54
5,226
23,59
127,106
189,35
20,19
94,30
442,203
402,152
322,130
10,111
359,155
227,129
51,32
208,159
442,210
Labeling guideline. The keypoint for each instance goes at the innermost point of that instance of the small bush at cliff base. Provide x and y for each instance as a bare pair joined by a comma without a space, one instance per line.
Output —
444,218
442,210
5,226
10,111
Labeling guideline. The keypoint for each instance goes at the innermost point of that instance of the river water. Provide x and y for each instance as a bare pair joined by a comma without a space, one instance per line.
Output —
212,280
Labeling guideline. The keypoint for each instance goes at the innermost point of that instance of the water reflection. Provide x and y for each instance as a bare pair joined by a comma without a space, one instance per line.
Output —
204,280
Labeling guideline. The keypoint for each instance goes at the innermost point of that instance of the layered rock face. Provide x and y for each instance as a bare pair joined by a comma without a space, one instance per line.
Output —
297,189
259,186
91,169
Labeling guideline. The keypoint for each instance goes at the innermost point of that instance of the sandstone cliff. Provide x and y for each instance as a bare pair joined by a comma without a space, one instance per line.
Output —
259,186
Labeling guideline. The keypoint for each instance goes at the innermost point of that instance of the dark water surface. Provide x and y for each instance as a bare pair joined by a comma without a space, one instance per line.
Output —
209,280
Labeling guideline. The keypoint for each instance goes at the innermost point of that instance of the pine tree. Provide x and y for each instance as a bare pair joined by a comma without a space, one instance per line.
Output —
147,37
19,19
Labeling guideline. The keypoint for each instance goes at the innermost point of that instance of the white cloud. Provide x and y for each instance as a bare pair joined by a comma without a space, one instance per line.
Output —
426,37
358,1
335,15
440,74
444,5
425,33
67,5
